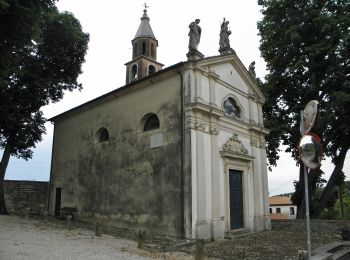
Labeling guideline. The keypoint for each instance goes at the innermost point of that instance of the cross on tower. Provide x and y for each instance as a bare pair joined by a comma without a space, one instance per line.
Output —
146,6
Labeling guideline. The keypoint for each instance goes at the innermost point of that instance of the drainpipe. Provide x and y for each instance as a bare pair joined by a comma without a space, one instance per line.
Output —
50,179
182,136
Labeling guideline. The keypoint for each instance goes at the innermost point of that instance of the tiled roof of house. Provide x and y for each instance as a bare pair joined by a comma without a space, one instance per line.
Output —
280,200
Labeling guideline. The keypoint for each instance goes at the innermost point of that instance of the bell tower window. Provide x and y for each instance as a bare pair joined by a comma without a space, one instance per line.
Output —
143,48
134,72
151,69
134,50
152,51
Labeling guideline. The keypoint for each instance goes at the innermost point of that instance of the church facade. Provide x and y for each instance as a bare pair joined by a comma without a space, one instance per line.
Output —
178,151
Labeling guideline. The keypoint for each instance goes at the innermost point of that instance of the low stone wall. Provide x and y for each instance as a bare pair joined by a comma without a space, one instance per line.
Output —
316,225
24,196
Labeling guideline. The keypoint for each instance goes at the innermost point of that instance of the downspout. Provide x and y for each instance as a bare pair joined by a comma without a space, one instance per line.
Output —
182,159
50,180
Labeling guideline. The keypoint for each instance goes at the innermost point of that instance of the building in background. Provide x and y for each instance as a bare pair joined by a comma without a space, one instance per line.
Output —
281,207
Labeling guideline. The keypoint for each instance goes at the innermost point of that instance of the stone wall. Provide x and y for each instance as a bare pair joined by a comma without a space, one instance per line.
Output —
316,225
22,195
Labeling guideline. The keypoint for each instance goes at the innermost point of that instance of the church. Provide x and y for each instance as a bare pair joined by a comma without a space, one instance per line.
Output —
178,151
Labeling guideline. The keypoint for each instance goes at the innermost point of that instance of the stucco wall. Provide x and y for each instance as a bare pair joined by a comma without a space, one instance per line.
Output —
285,209
123,182
208,84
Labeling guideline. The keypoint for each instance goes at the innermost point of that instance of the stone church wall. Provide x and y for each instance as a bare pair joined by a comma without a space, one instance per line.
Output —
26,195
124,181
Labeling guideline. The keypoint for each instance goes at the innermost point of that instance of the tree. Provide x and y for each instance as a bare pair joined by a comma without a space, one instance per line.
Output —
42,51
306,44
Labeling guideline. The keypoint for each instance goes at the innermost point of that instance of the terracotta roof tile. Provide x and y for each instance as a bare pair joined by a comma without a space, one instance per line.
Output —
280,200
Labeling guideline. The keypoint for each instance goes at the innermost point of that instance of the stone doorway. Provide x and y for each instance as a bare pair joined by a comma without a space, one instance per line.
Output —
236,199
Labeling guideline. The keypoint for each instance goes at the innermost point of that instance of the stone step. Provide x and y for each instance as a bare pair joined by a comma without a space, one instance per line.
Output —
341,254
237,233
332,251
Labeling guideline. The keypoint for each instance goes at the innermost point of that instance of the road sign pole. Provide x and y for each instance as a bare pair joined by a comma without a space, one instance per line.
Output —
307,213
306,196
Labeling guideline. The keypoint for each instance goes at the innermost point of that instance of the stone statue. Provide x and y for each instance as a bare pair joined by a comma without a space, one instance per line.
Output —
224,35
195,35
251,69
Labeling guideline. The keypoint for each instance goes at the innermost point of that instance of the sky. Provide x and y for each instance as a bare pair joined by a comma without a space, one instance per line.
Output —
113,24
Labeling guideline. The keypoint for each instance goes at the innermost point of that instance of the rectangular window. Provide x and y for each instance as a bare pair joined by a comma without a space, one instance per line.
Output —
292,212
270,210
278,210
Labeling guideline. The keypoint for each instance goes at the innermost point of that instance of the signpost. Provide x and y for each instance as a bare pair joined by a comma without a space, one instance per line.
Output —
310,152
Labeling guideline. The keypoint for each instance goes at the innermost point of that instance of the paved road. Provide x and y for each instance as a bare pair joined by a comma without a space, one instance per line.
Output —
24,239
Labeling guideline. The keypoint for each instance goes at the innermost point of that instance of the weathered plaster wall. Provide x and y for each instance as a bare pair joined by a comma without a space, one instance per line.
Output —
123,181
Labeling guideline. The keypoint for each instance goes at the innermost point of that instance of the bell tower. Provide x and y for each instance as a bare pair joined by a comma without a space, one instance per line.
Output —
144,52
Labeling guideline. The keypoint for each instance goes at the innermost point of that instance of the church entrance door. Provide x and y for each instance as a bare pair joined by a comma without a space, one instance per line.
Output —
236,199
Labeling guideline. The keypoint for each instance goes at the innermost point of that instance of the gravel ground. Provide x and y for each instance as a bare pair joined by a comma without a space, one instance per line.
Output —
265,245
24,239
27,239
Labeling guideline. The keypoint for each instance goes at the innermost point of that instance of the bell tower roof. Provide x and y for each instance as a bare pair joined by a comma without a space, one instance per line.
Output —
145,30
144,52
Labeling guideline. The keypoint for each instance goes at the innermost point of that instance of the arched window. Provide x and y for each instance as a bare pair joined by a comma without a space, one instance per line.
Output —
231,108
151,69
135,50
143,48
151,123
152,51
134,72
102,135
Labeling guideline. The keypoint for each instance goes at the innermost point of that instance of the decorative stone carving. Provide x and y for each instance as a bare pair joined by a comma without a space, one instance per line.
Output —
234,145
199,126
254,139
262,142
195,36
251,69
214,130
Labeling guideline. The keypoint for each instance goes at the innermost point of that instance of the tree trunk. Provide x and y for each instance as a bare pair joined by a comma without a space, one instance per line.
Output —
328,190
3,166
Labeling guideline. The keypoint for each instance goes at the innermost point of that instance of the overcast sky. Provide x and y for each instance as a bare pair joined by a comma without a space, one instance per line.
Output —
113,24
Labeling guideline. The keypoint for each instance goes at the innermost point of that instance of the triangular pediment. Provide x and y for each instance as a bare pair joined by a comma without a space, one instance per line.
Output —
230,70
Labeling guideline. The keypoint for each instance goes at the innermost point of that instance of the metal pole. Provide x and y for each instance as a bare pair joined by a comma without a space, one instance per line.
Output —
307,213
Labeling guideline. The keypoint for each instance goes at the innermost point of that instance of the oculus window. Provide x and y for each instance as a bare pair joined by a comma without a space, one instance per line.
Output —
231,108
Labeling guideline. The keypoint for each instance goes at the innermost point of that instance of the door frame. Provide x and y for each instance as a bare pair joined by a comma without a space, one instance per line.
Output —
245,165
